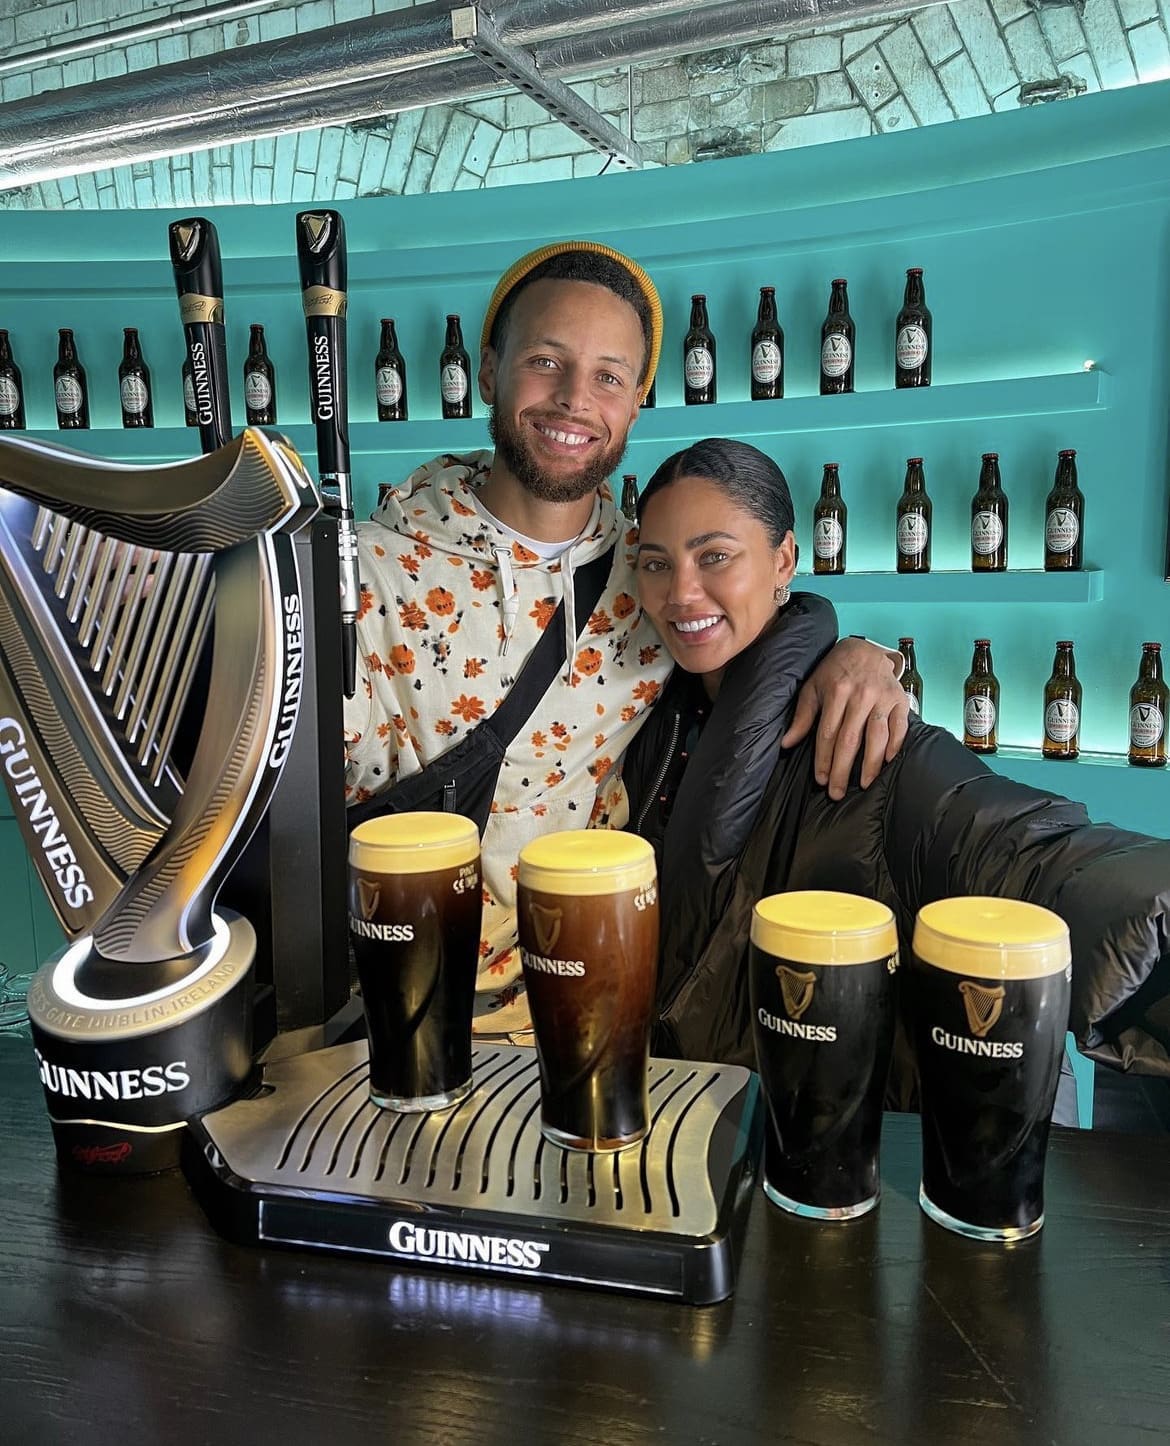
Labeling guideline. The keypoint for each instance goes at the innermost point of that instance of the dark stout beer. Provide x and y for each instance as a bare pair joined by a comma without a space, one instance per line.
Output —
1062,706
981,701
630,496
700,384
989,995
989,520
830,523
1064,518
767,350
134,383
1148,705
11,389
390,376
913,335
821,986
415,900
838,335
915,514
69,386
587,912
259,381
455,373
911,679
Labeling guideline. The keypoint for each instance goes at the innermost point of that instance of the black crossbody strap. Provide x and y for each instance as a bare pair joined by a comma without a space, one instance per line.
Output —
534,677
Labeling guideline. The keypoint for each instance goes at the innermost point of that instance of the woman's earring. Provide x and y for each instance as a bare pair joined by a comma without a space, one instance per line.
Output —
782,594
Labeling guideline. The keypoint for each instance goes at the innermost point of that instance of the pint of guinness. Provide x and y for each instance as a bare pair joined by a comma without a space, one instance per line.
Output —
989,991
587,905
415,899
821,987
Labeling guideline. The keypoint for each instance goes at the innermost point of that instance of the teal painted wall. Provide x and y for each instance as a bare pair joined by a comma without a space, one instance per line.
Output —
1043,234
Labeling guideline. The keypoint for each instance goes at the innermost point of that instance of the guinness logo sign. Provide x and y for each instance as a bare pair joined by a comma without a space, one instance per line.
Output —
546,925
796,989
369,894
983,1004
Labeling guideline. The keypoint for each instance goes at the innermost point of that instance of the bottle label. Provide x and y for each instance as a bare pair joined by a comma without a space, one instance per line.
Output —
699,368
454,384
68,390
134,395
836,354
257,392
913,534
189,393
1061,530
915,705
9,397
911,347
1062,720
986,533
388,386
828,537
765,362
979,716
1145,725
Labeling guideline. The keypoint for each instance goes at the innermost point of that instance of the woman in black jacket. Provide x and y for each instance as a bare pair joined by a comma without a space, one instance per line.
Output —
732,818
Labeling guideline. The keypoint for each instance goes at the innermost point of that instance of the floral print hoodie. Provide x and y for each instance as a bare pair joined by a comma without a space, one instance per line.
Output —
451,607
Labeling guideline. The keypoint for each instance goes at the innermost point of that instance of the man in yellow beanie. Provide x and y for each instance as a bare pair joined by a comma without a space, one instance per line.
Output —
466,564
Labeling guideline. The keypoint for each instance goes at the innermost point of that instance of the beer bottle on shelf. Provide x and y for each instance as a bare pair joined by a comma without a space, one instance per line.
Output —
989,520
914,520
913,335
838,335
259,382
1149,702
699,380
1064,518
11,389
911,677
134,383
390,376
1062,706
981,701
455,373
767,350
651,398
189,410
69,386
830,518
629,496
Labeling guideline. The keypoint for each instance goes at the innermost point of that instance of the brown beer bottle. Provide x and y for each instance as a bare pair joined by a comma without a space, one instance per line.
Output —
838,335
1149,702
189,411
134,383
11,389
700,385
913,335
1062,706
1064,518
830,520
259,382
455,373
989,520
981,702
767,350
390,376
69,386
914,521
911,678
629,496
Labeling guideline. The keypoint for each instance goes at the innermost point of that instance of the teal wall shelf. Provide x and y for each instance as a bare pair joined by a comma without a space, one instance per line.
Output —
1110,788
977,589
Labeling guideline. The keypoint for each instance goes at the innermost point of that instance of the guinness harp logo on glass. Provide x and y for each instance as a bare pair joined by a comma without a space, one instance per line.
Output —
983,1003
796,989
369,894
546,925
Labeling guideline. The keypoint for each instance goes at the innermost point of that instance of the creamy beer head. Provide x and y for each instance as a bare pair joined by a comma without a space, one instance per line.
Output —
587,862
992,938
413,843
818,926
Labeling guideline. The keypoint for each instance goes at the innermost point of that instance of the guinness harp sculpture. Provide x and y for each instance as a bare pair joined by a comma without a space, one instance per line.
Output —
135,797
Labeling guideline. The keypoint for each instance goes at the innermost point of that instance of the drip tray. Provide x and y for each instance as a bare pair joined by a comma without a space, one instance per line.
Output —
309,1161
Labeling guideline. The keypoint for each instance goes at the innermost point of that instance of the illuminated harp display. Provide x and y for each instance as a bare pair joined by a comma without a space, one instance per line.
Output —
136,778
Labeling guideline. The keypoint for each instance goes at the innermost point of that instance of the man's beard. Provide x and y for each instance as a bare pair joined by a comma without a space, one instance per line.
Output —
512,449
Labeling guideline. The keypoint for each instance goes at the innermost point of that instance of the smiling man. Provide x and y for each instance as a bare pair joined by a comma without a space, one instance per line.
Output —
464,565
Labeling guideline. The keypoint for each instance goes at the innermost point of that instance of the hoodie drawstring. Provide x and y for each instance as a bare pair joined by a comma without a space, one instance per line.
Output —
509,595
569,609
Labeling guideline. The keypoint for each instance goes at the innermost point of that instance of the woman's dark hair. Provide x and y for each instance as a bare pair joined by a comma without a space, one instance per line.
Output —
749,478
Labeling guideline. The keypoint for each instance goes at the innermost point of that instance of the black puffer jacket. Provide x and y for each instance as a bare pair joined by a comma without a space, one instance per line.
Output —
736,820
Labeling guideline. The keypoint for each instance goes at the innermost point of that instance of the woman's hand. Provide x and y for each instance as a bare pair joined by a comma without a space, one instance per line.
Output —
856,692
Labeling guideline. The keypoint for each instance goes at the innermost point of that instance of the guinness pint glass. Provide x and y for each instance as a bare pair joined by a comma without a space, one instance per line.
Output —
587,905
415,901
989,993
821,986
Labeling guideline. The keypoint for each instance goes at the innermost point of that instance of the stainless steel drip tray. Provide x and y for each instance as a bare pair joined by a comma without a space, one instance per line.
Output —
309,1161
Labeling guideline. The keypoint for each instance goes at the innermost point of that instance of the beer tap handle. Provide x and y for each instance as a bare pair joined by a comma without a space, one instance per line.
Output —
198,272
322,261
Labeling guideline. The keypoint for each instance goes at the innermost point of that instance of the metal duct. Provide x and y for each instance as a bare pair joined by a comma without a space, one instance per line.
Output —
371,67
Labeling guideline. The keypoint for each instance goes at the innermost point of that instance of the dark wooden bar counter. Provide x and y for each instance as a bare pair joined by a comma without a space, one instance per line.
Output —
125,1319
